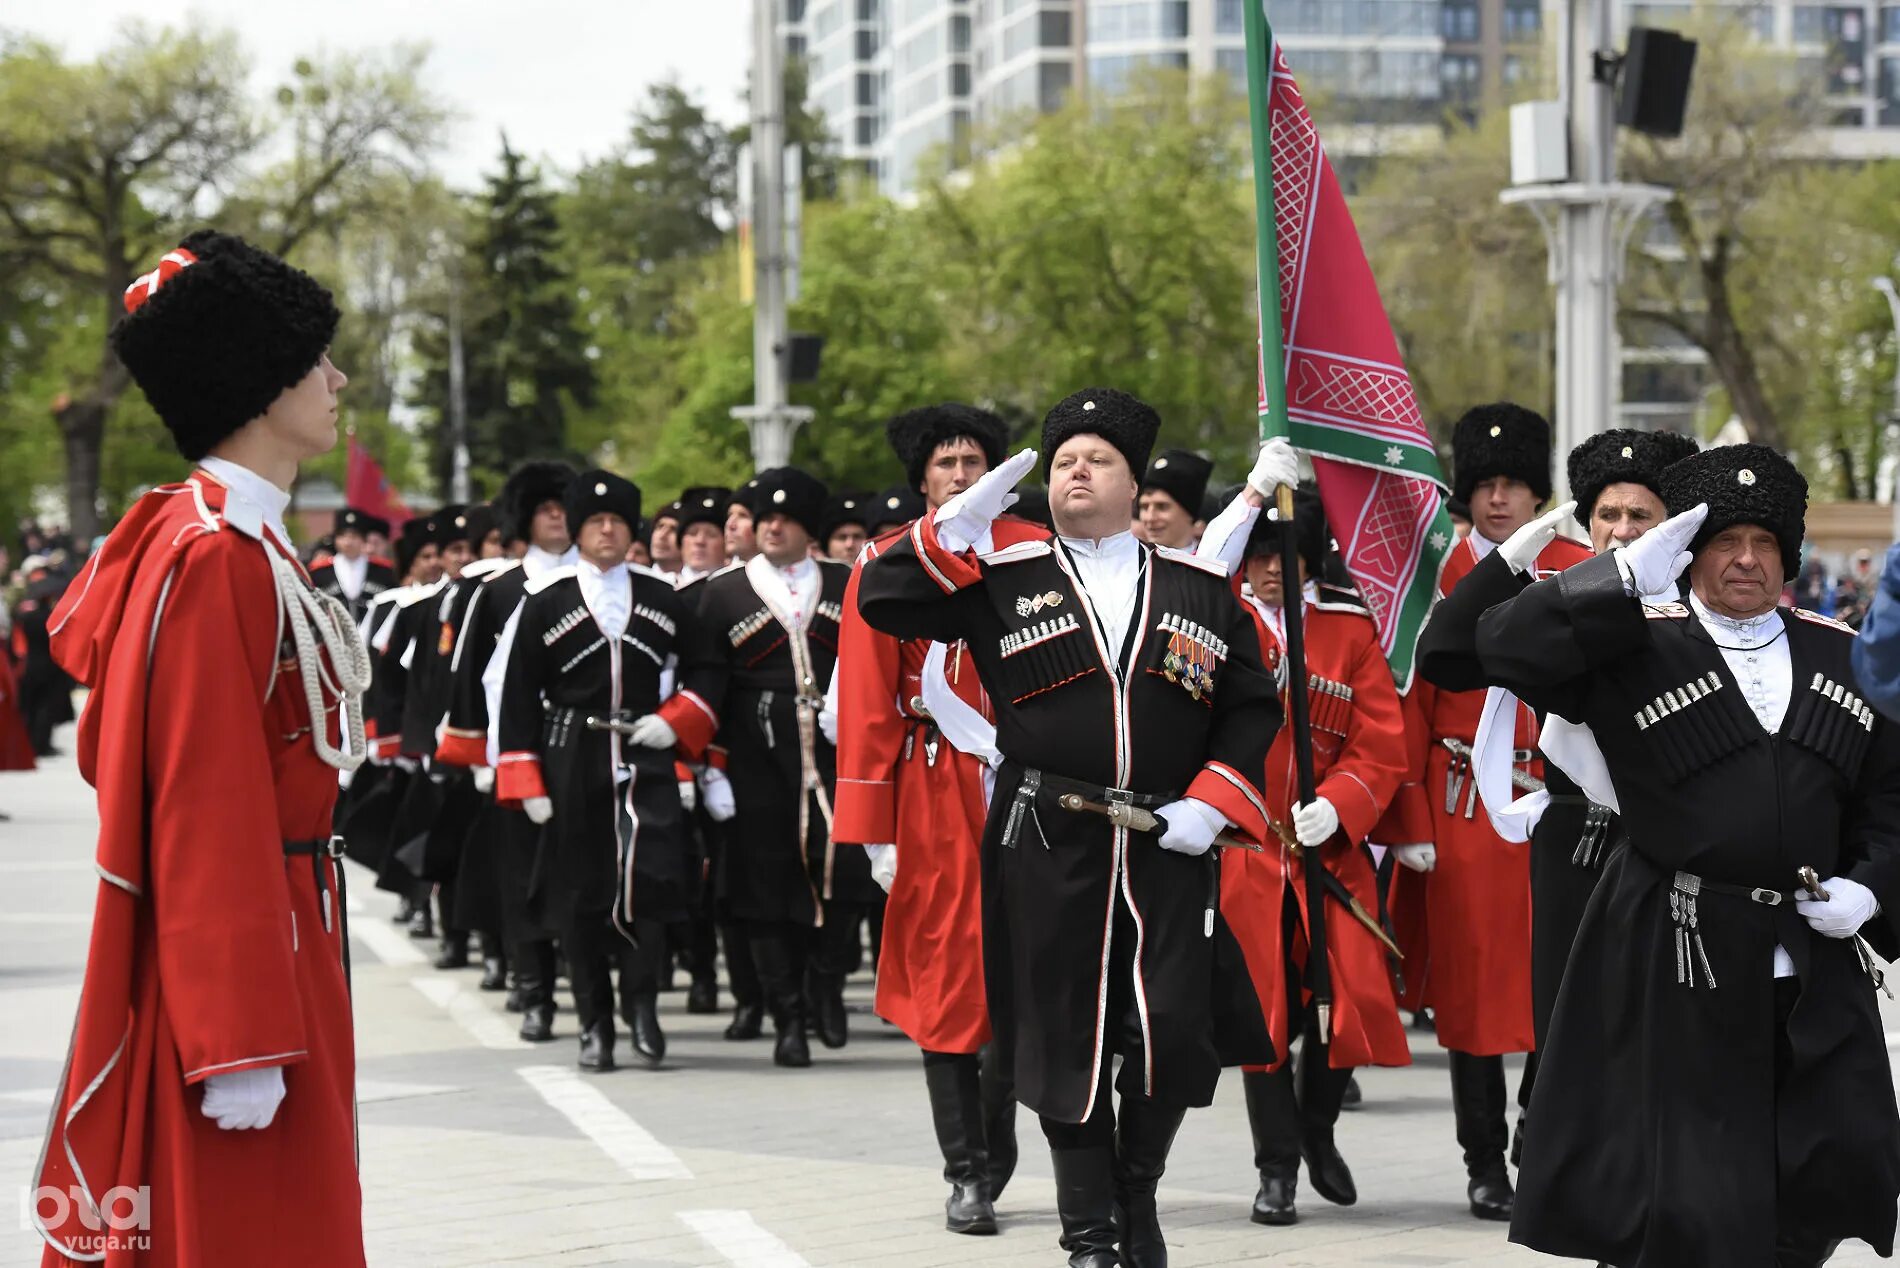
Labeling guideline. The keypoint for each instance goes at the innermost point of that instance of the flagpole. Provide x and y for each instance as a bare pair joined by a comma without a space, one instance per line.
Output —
1274,422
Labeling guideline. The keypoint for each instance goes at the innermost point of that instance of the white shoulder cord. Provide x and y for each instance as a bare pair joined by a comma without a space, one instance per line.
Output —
349,658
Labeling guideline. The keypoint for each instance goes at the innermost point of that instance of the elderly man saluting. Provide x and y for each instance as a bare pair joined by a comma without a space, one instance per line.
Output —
1715,1090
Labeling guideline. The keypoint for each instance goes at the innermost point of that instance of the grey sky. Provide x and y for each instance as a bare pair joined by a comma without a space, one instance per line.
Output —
559,75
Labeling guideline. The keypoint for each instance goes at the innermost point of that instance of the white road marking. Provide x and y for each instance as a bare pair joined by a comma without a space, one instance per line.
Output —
386,942
45,918
630,1145
491,1029
737,1236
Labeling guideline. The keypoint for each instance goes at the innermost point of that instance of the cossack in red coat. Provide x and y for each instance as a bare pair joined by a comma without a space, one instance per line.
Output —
210,949
1358,761
1465,926
901,784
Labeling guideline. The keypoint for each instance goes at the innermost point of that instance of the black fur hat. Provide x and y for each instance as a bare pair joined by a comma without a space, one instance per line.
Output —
1124,422
915,435
1309,531
1743,484
1500,440
746,496
704,505
480,521
846,508
1622,456
216,333
423,530
789,491
899,504
599,492
362,523
451,524
531,484
1182,475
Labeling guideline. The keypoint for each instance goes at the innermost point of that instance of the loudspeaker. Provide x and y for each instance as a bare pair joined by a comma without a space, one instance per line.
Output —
801,363
1653,90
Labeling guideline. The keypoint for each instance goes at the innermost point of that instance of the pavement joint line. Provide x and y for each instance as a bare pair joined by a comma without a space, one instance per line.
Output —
737,1236
490,1029
387,943
636,1150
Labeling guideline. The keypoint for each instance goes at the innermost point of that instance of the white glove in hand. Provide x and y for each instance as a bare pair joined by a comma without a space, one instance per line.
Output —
1422,857
1523,547
1276,465
654,731
828,723
1192,826
689,795
716,791
962,520
244,1100
1652,562
883,865
1848,906
1314,825
343,778
538,809
484,779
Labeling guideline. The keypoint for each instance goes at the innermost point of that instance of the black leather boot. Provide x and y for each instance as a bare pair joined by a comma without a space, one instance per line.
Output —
643,1019
405,909
494,963
1085,1203
827,997
1477,1102
454,953
1144,1133
748,1021
1274,1117
956,1111
535,980
1320,1091
422,923
597,1047
999,1120
790,1049
1354,1098
703,996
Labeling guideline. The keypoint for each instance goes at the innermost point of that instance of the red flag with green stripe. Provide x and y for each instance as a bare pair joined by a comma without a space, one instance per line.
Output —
1331,379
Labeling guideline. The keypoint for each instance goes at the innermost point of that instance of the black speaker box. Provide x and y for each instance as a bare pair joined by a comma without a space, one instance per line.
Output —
1653,91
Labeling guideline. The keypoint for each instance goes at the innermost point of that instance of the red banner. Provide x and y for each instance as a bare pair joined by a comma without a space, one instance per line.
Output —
367,489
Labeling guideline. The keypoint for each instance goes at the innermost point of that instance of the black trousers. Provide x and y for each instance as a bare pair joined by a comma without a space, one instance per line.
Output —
837,946
597,952
1795,1245
1321,1089
778,950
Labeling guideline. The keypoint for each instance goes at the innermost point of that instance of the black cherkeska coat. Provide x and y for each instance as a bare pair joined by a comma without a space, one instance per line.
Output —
1574,836
1053,879
767,872
615,844
377,578
1661,1139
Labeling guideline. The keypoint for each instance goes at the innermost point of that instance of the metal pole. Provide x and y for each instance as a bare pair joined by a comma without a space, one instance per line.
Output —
1885,286
772,424
458,396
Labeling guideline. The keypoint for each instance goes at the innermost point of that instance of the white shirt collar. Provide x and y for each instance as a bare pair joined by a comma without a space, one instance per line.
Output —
252,503
1480,544
1102,547
1748,629
538,561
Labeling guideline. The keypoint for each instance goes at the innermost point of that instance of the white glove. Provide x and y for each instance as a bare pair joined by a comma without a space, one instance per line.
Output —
828,723
883,865
485,779
1314,825
1276,465
406,764
538,809
343,778
689,795
716,789
1192,826
1652,562
654,731
969,513
1422,857
1848,906
244,1100
1523,547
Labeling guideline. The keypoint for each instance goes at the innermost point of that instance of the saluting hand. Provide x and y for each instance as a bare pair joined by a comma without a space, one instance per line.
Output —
1523,547
964,517
1653,561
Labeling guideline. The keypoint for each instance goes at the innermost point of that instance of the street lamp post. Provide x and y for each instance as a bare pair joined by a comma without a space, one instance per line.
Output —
1885,286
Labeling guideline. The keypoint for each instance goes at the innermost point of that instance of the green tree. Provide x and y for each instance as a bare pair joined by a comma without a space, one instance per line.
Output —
104,165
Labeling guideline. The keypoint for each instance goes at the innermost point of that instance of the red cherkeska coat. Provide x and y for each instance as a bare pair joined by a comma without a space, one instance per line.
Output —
1358,761
1465,926
16,747
891,791
210,951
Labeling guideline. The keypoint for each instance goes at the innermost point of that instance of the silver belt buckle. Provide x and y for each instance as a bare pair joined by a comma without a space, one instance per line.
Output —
334,847
1766,897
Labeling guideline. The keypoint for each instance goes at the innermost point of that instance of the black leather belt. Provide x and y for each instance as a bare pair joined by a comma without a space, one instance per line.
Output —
1061,784
1690,882
318,849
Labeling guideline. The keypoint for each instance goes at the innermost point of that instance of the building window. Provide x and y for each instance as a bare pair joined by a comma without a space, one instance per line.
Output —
867,89
1053,81
1889,92
867,43
1523,23
794,11
960,33
1890,24
1147,20
1110,74
1230,18
1232,62
867,10
1461,22
959,79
